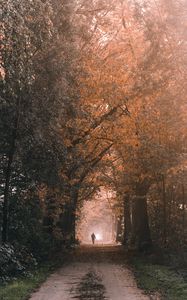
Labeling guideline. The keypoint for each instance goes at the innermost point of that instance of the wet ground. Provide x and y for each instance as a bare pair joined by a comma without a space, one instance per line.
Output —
93,273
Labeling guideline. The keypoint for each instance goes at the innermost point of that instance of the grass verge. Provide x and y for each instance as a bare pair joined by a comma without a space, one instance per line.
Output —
21,288
170,283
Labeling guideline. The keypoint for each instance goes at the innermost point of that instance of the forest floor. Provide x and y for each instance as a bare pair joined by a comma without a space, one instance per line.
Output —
98,272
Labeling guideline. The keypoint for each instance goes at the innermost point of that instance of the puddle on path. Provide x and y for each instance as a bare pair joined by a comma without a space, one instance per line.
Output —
90,288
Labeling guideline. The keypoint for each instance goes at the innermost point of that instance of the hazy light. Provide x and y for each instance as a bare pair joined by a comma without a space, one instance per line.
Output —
98,237
97,217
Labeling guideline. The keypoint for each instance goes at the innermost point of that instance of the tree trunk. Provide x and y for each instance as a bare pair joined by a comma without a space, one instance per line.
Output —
119,230
7,181
72,215
183,210
164,210
141,237
6,197
127,220
8,173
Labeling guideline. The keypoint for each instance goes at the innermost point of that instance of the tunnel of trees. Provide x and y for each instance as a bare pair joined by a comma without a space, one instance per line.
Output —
93,94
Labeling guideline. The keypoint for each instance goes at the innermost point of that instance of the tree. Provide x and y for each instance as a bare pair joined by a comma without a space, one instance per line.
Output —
34,95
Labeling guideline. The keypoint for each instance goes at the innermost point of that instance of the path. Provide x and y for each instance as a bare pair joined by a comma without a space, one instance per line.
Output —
94,273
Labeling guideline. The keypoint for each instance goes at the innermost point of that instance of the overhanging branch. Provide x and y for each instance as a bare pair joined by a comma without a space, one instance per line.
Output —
94,162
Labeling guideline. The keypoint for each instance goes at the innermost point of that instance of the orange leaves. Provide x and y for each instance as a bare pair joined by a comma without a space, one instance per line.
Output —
67,142
2,73
126,66
2,37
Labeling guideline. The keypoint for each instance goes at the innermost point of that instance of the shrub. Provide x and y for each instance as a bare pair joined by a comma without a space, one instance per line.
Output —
14,261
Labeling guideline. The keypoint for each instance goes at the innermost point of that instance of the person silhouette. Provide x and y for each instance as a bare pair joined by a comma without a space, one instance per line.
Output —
93,238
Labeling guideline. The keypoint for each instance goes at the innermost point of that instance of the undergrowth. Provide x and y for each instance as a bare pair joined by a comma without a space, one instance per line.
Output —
171,283
21,288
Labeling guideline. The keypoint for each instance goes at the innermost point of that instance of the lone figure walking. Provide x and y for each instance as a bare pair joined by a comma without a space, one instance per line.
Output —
93,238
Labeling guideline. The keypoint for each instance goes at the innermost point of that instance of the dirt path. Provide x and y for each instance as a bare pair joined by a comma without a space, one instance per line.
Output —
94,273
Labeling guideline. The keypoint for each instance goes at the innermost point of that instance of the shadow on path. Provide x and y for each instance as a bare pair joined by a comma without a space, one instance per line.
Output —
90,288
